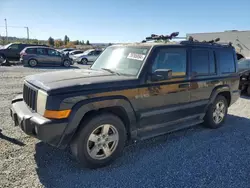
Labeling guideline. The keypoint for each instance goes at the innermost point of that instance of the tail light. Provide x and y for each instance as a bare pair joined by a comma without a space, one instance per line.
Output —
23,53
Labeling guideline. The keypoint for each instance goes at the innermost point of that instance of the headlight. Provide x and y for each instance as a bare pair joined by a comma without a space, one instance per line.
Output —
41,102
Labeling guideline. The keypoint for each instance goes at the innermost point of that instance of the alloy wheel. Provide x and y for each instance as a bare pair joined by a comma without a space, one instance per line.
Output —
102,142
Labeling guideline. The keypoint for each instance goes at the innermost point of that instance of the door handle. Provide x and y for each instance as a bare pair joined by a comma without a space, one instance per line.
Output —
186,85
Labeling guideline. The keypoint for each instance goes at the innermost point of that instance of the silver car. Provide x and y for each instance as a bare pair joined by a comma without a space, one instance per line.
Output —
87,56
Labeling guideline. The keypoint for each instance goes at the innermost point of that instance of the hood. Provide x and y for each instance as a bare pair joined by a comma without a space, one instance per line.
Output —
77,79
79,55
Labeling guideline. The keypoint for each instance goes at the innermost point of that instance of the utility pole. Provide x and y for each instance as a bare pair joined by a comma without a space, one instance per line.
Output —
28,35
6,28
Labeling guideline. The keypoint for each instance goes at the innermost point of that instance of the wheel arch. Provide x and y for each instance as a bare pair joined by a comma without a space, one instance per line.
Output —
223,90
86,109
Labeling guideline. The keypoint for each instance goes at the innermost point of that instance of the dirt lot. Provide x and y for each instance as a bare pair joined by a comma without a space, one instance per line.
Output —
196,157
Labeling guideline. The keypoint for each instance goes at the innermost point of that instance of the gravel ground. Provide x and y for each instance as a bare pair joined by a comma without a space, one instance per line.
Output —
195,157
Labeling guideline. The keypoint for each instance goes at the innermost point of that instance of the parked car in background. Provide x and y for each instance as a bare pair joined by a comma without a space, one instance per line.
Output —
244,71
75,52
87,56
45,56
66,50
12,51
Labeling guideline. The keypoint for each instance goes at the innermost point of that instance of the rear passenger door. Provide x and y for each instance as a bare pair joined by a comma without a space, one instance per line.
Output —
203,76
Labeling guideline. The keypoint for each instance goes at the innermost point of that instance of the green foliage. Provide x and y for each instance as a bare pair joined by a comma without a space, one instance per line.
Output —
66,40
51,41
87,43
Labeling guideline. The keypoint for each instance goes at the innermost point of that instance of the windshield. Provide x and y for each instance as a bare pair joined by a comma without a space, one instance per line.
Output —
86,52
122,60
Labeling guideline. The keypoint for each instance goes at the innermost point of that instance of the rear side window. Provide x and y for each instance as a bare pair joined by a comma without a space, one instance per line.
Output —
202,62
30,51
226,61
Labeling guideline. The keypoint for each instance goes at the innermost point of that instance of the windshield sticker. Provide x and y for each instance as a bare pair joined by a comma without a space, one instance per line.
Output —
135,56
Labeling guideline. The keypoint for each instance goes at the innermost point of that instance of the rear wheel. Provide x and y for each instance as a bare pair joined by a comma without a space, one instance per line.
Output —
216,113
32,63
84,61
100,141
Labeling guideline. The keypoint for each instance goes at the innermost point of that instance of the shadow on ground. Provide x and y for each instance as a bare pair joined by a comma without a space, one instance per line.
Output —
9,139
195,157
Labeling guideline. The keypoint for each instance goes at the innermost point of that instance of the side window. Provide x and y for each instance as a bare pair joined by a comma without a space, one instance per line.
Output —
91,53
14,47
31,51
174,59
53,52
200,62
226,61
41,51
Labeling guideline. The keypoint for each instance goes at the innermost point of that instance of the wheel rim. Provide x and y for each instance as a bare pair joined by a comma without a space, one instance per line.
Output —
102,142
66,63
33,63
219,112
84,61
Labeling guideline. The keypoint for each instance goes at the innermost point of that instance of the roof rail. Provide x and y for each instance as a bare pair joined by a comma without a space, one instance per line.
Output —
161,37
191,40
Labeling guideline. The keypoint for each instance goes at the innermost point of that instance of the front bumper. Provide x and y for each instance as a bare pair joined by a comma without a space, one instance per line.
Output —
47,130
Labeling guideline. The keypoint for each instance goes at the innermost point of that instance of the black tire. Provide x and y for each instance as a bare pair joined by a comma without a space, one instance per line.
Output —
66,63
79,147
84,61
248,90
209,119
32,63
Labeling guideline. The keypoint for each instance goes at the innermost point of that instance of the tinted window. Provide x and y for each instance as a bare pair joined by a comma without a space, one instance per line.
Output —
226,61
14,47
41,51
174,59
52,52
200,61
98,52
31,51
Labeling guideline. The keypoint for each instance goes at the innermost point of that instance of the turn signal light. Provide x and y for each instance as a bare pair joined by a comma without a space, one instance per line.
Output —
61,114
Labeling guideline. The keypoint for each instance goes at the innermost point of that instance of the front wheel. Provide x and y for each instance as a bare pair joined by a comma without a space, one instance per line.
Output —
100,141
66,63
84,61
216,113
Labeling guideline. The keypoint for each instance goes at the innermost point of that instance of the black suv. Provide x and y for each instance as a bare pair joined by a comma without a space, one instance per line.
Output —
12,51
131,92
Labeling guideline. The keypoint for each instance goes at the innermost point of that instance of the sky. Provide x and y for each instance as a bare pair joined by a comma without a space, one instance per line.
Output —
120,20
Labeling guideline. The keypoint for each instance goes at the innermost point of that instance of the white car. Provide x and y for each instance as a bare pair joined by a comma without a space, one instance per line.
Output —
87,56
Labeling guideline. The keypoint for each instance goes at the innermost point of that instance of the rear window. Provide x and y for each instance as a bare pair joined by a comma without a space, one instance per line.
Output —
31,51
226,61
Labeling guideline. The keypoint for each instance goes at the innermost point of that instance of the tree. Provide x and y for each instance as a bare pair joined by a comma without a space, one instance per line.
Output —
82,43
76,42
66,40
35,41
51,41
58,43
87,43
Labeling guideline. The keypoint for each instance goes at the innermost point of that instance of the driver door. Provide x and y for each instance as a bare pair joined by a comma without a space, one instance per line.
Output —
166,101
54,57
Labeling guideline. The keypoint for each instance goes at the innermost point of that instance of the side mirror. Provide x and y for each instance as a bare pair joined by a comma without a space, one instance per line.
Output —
161,74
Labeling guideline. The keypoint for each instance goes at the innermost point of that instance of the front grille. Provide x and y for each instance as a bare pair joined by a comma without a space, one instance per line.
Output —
29,96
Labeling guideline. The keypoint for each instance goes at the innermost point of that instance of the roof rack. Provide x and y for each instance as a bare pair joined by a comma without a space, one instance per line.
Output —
191,40
154,37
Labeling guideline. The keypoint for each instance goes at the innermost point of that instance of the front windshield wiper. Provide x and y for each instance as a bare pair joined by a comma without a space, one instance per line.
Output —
111,71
